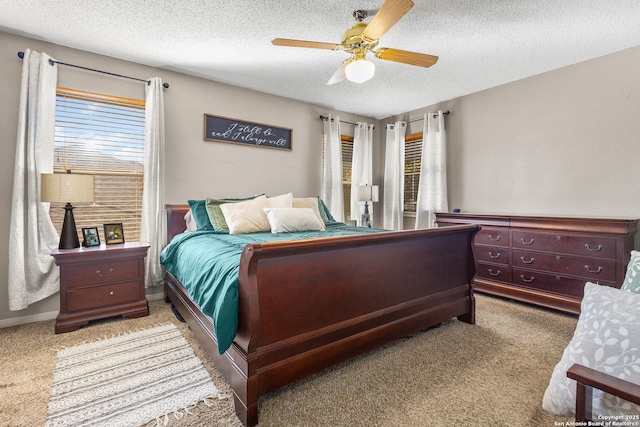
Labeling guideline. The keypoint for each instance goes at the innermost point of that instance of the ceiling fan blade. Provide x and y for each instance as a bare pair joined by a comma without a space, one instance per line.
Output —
390,13
406,57
339,75
305,43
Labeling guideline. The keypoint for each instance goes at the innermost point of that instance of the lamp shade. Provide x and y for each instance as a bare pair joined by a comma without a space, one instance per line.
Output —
368,193
360,70
66,187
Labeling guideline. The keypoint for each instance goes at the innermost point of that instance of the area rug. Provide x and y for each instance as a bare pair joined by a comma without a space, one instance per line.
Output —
127,380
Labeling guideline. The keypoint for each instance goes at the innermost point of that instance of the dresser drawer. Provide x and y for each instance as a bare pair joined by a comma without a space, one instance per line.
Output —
500,273
555,283
589,268
492,236
100,273
492,254
575,244
102,296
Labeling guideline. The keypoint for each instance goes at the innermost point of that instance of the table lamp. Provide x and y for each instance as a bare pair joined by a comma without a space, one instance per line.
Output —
68,188
366,194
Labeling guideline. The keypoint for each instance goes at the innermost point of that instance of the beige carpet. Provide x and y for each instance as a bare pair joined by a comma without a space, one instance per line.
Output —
492,373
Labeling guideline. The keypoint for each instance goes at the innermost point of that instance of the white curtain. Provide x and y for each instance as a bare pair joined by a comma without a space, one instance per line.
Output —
361,167
33,274
432,187
394,177
153,223
332,192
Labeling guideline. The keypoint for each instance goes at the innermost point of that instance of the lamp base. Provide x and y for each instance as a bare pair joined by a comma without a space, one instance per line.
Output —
69,236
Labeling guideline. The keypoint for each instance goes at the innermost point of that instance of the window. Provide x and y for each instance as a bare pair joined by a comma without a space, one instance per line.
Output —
102,135
347,163
412,160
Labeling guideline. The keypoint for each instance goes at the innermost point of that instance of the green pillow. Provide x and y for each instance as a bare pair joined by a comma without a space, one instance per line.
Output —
324,211
632,279
215,215
199,213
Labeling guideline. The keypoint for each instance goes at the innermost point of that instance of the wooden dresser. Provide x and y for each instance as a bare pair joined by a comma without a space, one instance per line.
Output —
547,260
100,282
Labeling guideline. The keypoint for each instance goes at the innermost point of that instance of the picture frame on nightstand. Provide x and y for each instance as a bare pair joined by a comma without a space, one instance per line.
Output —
113,233
90,237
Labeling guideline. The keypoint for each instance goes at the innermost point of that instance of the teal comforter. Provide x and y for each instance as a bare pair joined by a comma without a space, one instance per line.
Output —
207,264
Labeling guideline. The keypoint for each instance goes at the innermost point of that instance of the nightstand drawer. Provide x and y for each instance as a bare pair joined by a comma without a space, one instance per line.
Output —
103,273
102,296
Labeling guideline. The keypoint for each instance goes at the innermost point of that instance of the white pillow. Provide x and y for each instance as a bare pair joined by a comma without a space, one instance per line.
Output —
607,339
308,202
281,201
284,220
189,221
247,216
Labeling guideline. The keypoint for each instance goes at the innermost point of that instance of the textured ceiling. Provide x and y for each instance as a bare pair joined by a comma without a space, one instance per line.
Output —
481,43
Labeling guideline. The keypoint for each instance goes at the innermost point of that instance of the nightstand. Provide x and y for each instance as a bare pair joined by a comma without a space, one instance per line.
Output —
100,282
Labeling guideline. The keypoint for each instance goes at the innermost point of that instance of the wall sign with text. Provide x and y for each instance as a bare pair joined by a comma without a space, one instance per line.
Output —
224,129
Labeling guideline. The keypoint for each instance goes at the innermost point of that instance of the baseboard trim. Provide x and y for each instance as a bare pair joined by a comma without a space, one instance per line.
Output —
23,320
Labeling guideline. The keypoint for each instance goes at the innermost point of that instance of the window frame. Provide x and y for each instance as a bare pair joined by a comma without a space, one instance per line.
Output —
128,173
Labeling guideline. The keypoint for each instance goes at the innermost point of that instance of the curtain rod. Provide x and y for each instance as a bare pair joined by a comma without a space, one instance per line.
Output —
341,121
52,62
446,113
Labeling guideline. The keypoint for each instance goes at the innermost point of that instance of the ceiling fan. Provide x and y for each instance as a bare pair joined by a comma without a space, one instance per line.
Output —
364,37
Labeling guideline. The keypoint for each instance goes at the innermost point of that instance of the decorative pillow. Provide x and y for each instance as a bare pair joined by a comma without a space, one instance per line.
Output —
281,201
247,216
607,338
632,279
216,218
189,222
284,220
324,212
199,212
308,202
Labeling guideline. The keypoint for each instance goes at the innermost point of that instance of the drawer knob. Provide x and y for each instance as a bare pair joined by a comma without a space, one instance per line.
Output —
494,273
111,293
529,280
598,270
599,248
527,261
524,242
494,238
107,274
496,256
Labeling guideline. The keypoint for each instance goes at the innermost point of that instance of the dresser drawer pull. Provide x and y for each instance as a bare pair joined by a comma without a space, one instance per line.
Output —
593,271
494,238
599,248
107,274
530,242
524,279
494,273
527,261
492,256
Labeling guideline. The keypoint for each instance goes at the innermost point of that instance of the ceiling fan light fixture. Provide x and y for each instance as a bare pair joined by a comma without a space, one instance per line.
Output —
360,70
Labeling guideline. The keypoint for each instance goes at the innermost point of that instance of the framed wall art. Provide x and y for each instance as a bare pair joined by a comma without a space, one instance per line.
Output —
224,129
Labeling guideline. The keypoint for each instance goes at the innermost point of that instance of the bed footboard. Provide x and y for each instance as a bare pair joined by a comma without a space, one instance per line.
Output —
308,305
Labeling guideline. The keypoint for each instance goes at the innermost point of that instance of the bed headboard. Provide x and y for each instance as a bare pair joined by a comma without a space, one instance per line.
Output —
175,219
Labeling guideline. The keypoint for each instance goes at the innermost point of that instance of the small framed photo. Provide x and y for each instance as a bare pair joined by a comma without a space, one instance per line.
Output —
113,233
91,237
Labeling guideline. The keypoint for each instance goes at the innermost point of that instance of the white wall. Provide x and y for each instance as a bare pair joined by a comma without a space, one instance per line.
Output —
195,168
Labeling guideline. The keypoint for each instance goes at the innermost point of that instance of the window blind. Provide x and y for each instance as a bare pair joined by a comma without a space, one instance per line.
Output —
347,164
412,160
103,136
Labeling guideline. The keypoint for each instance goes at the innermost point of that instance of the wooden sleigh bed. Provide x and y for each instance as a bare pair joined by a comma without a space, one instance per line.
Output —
360,292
